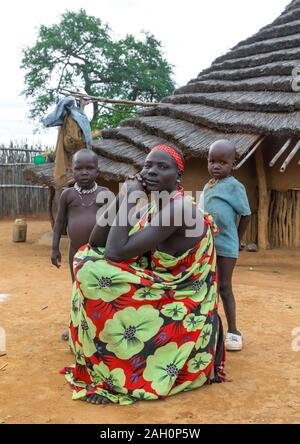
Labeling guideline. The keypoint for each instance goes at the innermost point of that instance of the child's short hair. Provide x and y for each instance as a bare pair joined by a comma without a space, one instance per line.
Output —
226,143
86,151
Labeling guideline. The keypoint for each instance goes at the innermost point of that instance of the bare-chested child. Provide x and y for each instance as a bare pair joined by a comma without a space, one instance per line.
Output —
77,208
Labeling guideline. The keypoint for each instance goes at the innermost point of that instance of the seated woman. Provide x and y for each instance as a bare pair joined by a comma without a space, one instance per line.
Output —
144,305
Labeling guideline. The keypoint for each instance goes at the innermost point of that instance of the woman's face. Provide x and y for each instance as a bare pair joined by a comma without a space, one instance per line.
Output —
160,172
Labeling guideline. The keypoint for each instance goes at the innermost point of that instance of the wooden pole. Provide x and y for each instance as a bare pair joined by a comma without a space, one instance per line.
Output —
290,157
250,153
89,98
263,207
297,219
280,152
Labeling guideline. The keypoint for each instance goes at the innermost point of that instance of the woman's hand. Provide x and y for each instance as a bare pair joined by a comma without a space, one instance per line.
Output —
135,183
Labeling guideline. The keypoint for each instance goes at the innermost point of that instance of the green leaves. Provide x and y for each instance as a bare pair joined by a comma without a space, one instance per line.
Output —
105,118
79,53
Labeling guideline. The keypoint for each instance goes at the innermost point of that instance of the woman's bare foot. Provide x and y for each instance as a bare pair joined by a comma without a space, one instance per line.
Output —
65,336
96,399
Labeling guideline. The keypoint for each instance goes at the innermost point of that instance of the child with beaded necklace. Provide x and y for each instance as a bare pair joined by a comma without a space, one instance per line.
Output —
225,199
77,208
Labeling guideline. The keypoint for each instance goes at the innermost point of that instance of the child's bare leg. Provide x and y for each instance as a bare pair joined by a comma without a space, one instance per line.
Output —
225,270
72,252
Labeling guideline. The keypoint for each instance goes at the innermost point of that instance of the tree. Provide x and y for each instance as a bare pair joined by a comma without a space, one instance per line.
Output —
79,53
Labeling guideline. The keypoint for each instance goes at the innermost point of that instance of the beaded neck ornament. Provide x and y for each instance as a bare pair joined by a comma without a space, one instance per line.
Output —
83,190
212,182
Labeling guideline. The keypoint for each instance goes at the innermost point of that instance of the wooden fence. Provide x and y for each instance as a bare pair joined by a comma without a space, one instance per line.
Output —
18,196
283,220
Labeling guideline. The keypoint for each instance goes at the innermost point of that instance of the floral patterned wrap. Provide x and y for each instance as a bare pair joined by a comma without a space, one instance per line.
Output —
145,330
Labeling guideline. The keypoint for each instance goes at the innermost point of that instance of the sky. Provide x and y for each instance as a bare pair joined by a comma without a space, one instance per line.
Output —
192,32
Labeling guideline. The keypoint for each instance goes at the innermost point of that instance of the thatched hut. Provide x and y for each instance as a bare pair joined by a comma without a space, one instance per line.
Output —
247,96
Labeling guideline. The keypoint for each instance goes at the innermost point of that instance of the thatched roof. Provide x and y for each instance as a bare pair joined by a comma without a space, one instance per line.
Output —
108,170
244,94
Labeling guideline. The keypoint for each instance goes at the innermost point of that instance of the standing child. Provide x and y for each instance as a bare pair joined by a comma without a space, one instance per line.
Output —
77,208
225,199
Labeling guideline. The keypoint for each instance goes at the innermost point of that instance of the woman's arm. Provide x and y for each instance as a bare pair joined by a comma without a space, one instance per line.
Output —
101,229
105,220
121,247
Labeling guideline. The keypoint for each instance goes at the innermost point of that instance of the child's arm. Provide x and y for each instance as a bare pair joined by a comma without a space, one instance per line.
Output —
240,204
59,225
244,221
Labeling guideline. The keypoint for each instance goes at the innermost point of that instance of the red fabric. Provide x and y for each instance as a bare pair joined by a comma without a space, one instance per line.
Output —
172,152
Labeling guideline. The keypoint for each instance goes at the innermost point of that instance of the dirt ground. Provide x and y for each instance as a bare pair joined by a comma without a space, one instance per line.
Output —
263,380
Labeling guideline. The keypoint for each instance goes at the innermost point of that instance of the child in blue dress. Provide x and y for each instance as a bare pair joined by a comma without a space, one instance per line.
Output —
226,200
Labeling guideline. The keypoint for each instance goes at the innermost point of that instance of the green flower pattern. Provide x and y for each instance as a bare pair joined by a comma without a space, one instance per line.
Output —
176,311
199,362
129,329
204,337
163,367
106,284
142,394
148,294
79,356
140,333
75,305
114,379
86,334
193,322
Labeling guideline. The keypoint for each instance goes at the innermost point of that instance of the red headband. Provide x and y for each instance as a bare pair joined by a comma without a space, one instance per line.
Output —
172,152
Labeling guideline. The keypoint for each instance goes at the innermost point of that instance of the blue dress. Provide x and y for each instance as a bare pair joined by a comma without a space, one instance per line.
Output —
225,201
